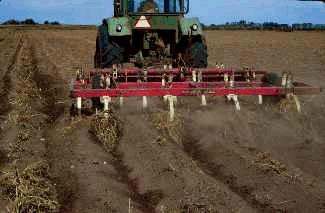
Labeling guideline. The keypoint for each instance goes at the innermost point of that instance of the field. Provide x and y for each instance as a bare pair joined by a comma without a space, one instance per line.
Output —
211,159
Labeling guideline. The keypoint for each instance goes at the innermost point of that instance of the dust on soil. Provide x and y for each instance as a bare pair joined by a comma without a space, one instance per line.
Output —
255,160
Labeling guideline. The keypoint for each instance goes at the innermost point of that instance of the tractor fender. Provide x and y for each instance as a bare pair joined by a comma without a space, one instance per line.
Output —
114,24
190,27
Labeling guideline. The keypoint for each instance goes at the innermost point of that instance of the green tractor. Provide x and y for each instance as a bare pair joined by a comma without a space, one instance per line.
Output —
151,32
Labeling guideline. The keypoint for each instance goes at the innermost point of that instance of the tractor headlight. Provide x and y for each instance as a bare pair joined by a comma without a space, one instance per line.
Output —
195,27
119,28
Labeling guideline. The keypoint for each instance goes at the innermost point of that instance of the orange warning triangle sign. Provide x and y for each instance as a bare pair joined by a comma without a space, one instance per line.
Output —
142,23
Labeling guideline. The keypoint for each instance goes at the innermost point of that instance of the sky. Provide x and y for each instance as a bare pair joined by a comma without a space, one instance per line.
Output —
209,11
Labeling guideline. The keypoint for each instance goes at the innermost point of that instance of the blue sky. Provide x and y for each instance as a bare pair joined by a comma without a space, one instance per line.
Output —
209,11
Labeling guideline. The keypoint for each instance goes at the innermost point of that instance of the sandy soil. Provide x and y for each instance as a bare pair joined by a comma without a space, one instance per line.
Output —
214,160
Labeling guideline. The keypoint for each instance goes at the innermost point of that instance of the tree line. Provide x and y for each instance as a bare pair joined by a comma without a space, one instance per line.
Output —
240,25
245,25
29,21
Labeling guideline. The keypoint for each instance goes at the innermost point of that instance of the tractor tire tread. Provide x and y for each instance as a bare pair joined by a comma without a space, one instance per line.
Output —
108,52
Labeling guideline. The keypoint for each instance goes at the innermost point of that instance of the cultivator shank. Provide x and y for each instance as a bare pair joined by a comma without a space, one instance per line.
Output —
170,82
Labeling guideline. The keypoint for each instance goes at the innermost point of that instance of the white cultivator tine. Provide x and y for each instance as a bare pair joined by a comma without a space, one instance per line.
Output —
121,101
106,102
296,99
204,100
163,82
79,102
234,98
171,108
260,99
194,76
144,102
175,99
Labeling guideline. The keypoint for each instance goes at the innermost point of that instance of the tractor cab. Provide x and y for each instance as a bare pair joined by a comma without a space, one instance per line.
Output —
157,7
148,32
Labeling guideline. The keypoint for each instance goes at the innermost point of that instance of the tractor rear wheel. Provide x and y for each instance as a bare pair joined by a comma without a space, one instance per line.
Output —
197,53
108,52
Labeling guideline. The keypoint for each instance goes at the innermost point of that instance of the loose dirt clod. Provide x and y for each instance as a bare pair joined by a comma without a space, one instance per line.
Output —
107,129
31,190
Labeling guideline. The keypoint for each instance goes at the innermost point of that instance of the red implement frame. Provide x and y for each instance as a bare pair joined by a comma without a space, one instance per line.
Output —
128,82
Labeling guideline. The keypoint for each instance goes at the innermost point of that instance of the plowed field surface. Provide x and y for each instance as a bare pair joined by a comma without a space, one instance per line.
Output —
214,159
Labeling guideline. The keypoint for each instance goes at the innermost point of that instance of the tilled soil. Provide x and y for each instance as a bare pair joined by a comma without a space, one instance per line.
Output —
213,159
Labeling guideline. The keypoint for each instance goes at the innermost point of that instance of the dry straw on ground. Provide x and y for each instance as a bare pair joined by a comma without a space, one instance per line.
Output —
30,191
265,160
191,208
173,128
17,147
107,128
286,104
